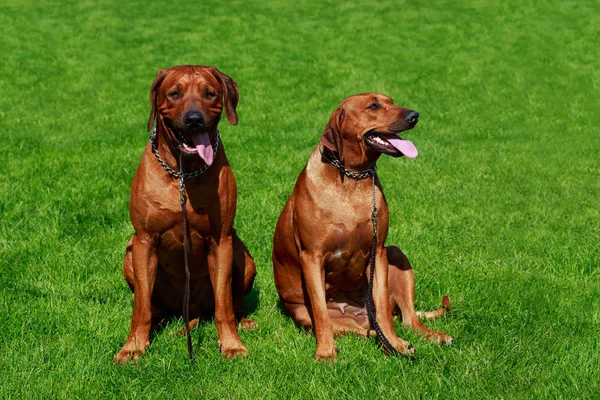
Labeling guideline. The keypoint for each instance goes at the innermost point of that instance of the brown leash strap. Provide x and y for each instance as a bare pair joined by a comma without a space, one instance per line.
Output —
186,247
385,343
186,234
333,160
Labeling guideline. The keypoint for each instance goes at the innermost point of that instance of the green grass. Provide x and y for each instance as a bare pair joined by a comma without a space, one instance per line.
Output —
500,211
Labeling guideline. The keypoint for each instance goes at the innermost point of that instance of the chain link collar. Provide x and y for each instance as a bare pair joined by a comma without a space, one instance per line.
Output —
171,171
333,160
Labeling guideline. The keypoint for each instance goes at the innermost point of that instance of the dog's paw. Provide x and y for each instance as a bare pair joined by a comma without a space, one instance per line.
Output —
128,355
438,337
327,354
445,340
233,350
405,348
247,324
131,351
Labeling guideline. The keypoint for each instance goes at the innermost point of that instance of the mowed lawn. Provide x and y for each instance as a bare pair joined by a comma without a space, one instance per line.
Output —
500,211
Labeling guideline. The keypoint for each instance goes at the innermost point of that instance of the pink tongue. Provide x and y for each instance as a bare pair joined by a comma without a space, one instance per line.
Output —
405,146
204,148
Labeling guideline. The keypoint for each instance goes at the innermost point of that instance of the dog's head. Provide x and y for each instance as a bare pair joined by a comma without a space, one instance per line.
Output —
366,125
187,101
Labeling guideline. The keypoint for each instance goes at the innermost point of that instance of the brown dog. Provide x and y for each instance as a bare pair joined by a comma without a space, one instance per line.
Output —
186,106
324,235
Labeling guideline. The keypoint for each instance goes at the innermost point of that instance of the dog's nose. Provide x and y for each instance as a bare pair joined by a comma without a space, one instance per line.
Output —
411,116
193,118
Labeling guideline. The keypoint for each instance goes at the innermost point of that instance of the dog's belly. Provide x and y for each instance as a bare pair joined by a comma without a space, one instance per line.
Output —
170,280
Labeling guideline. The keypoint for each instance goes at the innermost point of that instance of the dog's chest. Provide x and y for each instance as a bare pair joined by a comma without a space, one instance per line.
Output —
348,253
348,242
171,252
200,225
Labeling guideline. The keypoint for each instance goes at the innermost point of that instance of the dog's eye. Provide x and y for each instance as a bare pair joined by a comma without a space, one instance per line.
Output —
175,95
210,95
374,106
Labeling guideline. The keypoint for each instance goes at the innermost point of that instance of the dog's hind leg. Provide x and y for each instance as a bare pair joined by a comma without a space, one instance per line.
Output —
299,313
401,282
128,265
436,313
244,272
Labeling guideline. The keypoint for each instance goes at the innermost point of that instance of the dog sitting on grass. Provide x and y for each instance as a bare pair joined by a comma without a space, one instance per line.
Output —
334,227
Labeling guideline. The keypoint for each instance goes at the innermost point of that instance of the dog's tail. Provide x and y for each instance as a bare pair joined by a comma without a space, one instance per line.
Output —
436,313
184,331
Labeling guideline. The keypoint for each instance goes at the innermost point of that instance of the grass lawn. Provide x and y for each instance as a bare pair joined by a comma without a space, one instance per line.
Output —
500,211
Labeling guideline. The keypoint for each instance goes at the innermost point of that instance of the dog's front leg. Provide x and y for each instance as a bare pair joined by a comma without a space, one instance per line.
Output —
382,303
313,272
145,262
220,265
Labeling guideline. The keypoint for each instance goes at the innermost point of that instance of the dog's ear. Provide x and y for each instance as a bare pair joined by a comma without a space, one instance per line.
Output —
160,77
231,95
332,135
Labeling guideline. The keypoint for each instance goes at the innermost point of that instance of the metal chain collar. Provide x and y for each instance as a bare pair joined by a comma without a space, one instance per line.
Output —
333,160
171,171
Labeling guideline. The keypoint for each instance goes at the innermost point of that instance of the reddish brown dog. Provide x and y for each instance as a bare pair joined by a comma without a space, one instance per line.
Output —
186,106
323,237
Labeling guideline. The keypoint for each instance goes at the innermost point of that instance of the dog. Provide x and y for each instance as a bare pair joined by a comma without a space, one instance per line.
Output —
187,102
324,235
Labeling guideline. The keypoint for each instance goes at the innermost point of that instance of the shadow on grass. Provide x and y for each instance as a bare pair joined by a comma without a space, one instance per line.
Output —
252,301
251,304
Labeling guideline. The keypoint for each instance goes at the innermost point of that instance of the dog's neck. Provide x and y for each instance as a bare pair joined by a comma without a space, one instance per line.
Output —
170,154
330,157
354,156
346,166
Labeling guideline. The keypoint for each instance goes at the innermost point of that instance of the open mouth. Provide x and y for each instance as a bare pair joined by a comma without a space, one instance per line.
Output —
197,143
185,144
392,145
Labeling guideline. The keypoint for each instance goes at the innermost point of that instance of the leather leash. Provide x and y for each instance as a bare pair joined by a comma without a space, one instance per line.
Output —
385,343
186,234
186,247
